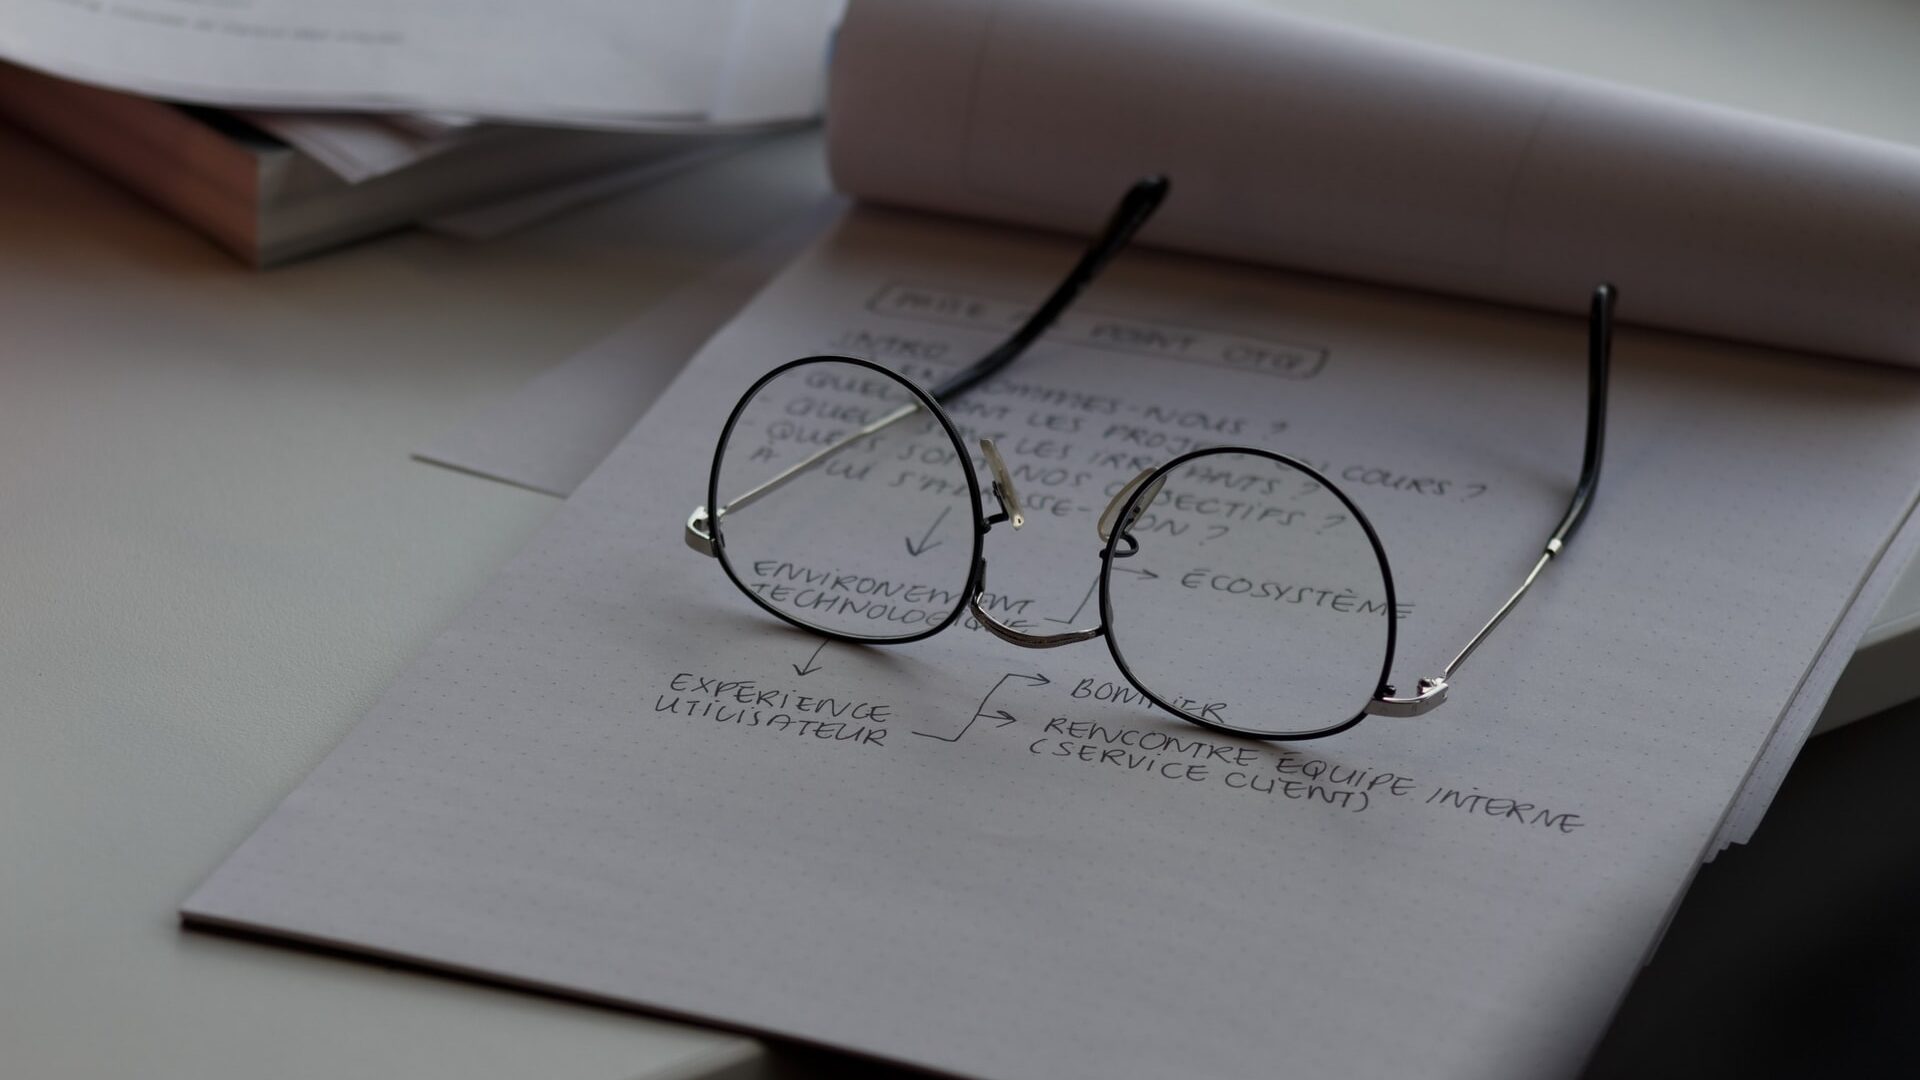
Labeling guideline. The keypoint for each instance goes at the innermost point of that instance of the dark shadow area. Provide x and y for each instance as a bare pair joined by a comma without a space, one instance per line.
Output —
1798,954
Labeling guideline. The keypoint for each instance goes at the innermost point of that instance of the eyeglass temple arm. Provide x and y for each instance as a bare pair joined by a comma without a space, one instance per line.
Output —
1599,360
1431,692
1135,207
699,533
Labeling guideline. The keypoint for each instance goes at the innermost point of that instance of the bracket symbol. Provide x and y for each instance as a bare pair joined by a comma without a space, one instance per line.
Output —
1000,716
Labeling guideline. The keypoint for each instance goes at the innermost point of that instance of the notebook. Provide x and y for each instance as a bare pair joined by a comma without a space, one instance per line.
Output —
614,777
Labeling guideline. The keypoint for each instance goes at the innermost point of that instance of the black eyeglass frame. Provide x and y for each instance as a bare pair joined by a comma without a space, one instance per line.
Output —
981,522
1132,508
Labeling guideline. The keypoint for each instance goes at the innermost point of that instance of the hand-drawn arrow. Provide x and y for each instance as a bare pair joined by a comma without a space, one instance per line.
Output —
1075,617
810,667
1003,716
916,550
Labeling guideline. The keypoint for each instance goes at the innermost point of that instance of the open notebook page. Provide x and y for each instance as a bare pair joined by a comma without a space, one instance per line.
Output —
1313,145
550,434
569,791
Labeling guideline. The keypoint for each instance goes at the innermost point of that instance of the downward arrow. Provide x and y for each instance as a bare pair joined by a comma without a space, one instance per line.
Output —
810,667
917,550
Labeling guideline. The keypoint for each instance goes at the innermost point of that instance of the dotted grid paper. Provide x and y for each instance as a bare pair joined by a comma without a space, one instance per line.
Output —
560,792
1803,713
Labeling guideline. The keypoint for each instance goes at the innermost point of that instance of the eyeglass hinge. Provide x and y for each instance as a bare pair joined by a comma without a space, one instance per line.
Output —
700,532
1431,693
1003,490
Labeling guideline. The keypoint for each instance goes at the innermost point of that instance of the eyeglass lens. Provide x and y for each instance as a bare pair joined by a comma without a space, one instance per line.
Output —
866,535
1257,602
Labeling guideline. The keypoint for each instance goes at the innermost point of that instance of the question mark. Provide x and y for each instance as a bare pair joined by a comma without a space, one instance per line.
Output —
1332,521
1478,490
1215,535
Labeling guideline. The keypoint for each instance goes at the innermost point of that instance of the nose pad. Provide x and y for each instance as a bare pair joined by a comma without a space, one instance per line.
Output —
1003,485
1108,523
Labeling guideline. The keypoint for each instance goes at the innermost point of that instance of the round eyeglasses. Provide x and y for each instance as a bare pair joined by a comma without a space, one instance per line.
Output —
1238,588
852,509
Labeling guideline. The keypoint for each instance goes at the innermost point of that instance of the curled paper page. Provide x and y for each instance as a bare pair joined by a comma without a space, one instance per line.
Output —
1310,145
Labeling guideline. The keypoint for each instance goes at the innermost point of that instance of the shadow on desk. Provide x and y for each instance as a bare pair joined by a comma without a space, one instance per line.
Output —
1798,954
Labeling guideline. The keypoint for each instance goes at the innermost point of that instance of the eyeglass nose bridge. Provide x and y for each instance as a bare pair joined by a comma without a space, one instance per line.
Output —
1002,487
1013,636
1010,512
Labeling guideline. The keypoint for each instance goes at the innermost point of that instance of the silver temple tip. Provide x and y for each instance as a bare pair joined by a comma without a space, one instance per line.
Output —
1430,695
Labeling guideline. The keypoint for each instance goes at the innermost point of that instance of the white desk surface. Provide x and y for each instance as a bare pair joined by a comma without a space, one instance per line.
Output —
215,553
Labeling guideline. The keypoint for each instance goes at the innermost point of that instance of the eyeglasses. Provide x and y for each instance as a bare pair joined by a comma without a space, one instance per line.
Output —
1238,588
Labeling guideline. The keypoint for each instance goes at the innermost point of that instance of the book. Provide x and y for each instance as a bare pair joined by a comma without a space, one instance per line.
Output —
268,202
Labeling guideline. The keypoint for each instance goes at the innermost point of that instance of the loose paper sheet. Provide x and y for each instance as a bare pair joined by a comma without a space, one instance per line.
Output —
664,64
551,433
493,220
357,147
613,776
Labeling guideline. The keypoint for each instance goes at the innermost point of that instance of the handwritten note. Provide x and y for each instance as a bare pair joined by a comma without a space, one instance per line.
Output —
616,775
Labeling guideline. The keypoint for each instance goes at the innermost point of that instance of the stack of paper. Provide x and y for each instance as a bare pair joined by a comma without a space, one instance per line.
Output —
406,111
